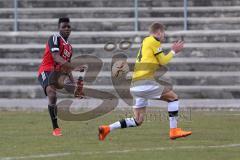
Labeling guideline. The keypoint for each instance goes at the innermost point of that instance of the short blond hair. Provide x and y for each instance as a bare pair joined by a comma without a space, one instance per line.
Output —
155,26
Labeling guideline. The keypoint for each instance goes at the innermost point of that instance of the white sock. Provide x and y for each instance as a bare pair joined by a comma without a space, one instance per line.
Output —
115,125
172,110
124,123
173,122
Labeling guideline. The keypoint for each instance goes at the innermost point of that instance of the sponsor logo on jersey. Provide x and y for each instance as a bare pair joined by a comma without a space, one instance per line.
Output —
66,53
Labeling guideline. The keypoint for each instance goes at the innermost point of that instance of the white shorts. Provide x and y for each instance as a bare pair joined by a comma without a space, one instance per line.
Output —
143,90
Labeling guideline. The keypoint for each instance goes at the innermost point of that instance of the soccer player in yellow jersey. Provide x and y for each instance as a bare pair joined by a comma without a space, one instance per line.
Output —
150,57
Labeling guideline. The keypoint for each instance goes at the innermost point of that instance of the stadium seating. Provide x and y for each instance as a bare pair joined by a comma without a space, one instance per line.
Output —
207,68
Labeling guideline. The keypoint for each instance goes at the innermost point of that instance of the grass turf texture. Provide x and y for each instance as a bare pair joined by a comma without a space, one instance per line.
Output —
29,134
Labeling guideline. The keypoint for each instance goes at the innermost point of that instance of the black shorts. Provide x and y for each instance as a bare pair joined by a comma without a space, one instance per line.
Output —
44,80
47,78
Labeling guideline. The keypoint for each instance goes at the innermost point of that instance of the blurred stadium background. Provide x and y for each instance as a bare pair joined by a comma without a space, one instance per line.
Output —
206,74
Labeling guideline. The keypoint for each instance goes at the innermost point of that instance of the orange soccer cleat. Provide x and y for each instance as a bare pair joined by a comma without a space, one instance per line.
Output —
178,133
103,131
57,132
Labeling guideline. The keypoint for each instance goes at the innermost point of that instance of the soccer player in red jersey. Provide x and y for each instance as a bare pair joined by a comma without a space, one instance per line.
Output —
56,59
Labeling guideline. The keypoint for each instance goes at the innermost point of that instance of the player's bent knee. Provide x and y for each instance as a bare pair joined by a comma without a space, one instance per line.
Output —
139,121
171,96
139,115
175,96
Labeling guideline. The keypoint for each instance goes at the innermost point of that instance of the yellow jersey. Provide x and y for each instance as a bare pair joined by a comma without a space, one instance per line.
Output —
150,57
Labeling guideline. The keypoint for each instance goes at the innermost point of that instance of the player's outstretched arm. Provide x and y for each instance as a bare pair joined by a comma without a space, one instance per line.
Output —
164,59
67,66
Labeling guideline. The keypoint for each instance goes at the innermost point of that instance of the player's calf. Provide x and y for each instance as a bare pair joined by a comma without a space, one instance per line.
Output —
173,107
52,109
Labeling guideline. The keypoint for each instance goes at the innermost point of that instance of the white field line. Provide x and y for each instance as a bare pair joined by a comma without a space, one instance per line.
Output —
161,149
122,151
36,156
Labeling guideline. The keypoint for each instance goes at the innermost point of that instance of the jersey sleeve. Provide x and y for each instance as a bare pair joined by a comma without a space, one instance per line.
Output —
163,58
53,43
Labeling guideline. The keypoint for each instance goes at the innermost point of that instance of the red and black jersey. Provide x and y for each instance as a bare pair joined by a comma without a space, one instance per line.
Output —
55,45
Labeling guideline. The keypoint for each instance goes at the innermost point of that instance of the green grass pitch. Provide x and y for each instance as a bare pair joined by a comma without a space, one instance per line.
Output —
27,135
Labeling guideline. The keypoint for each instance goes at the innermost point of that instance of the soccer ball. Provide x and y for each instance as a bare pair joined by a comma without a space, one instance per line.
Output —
120,68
